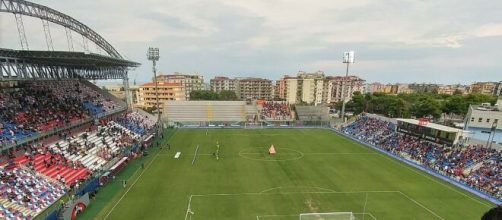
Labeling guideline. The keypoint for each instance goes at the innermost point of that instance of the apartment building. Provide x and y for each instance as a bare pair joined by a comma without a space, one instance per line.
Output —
190,82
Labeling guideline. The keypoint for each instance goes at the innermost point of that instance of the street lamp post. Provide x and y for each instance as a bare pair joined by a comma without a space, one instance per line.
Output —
348,58
153,55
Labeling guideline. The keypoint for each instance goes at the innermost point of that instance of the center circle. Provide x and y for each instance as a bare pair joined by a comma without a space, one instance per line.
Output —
261,154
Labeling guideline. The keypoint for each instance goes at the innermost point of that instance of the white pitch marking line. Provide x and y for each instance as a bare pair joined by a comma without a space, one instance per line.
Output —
293,187
188,207
365,213
314,153
265,216
414,201
281,154
369,213
136,180
187,154
434,180
286,193
339,153
130,187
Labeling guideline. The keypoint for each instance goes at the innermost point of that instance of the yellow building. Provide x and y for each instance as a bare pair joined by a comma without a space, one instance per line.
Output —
317,88
387,89
190,82
487,88
167,91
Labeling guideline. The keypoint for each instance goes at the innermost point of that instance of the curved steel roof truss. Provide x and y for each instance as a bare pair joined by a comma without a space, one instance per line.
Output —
39,11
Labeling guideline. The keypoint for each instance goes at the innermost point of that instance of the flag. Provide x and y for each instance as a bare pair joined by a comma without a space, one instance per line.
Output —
271,150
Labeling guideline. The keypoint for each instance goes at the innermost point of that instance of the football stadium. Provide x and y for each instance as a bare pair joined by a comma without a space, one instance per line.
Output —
72,149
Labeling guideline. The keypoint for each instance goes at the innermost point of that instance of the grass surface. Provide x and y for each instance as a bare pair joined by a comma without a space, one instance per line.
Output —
314,171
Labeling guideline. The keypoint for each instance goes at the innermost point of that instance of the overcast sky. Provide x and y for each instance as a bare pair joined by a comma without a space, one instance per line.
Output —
440,41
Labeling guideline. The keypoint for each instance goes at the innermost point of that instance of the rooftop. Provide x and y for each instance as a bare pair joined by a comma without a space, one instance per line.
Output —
431,125
162,84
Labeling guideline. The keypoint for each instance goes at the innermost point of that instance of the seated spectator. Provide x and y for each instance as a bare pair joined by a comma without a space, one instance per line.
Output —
272,110
457,162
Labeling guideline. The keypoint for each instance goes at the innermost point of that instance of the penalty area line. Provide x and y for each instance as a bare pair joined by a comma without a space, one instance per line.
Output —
321,192
419,204
421,173
259,217
188,207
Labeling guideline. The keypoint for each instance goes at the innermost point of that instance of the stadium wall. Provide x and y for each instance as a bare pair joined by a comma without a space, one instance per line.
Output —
427,170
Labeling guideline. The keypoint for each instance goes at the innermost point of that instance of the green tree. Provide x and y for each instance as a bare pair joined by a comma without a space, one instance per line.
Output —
427,106
415,104
210,95
456,104
227,95
397,108
357,104
203,95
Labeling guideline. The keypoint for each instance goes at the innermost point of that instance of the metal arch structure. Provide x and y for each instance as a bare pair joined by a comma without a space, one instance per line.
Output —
26,64
29,65
21,7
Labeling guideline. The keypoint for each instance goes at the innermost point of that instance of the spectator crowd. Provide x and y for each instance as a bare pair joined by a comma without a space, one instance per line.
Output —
473,165
275,110
38,106
136,122
27,190
33,176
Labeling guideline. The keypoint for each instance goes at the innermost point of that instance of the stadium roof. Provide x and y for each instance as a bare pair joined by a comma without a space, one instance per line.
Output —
64,58
431,125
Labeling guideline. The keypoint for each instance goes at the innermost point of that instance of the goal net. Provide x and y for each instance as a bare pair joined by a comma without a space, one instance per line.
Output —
327,216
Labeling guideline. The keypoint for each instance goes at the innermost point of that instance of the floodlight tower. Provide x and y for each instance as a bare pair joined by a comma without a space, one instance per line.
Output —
153,55
348,58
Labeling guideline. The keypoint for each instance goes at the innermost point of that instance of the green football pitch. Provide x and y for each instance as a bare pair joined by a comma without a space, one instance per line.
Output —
314,171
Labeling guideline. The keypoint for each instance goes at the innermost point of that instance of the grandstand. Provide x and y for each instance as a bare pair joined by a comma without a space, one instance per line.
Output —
274,111
312,113
224,113
64,149
59,133
475,166
207,112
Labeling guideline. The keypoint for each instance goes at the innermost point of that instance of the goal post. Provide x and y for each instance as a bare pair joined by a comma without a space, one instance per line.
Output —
327,216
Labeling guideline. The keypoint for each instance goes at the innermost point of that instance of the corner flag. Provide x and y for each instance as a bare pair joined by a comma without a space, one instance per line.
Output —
271,150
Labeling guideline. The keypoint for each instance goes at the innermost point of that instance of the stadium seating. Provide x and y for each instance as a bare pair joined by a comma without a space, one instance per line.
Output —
275,110
93,149
203,111
54,166
476,166
24,194
136,122
312,113
38,106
